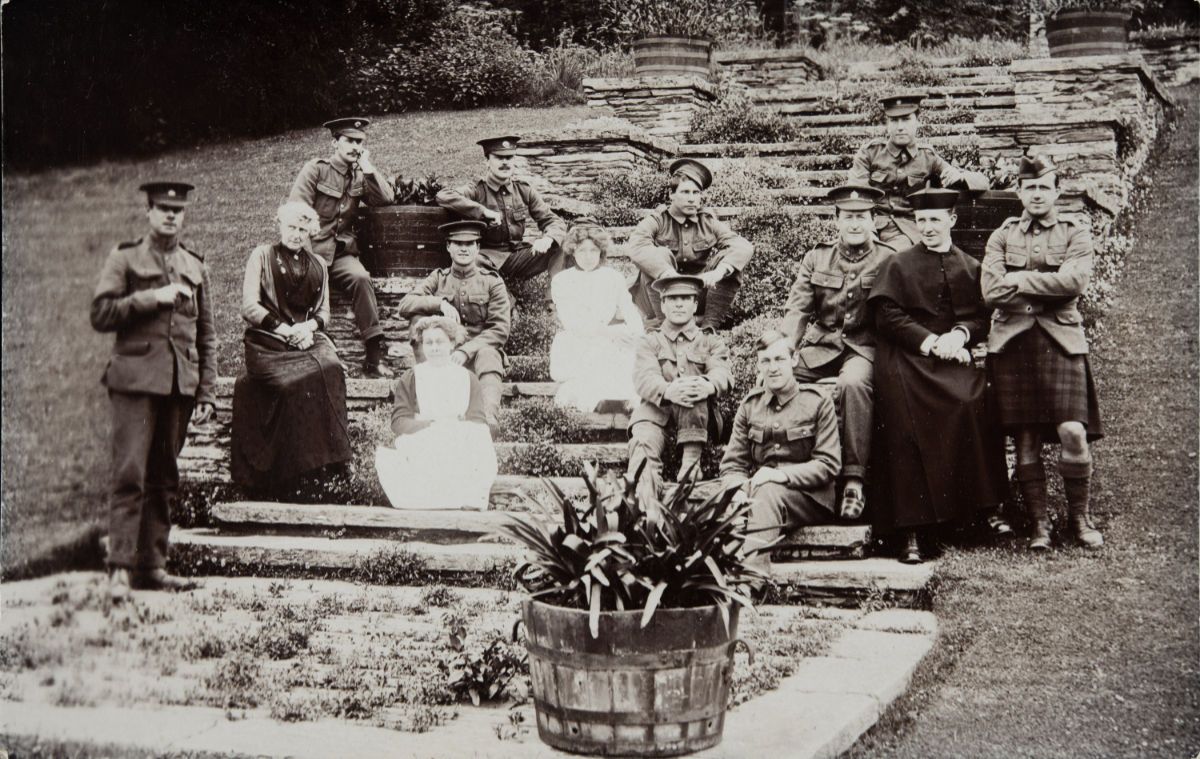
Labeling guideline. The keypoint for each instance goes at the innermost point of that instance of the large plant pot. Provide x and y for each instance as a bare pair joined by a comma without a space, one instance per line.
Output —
632,691
672,56
402,241
1075,33
980,214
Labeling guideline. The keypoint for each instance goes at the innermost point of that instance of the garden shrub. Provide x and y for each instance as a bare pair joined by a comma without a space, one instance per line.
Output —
780,240
391,565
745,182
540,419
620,197
470,59
538,458
533,329
734,117
528,369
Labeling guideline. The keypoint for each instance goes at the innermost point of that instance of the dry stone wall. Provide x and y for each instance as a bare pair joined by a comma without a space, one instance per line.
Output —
662,105
1175,61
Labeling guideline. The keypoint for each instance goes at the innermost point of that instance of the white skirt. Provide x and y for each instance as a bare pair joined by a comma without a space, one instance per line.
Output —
447,465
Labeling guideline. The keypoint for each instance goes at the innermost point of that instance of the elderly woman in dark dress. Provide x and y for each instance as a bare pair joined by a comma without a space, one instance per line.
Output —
937,454
289,407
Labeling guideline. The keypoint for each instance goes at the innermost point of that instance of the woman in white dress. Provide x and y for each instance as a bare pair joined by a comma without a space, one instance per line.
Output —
592,357
443,456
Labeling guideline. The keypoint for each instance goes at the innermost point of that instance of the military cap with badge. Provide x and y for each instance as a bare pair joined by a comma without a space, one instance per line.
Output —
350,126
167,193
692,170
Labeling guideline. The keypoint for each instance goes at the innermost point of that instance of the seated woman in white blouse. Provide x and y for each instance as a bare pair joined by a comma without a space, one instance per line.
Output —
592,357
443,456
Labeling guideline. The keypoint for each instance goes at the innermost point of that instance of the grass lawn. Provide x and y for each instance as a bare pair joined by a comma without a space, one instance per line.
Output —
1092,654
59,226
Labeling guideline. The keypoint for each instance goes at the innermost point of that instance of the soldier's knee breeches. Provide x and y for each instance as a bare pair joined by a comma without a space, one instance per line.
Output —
487,360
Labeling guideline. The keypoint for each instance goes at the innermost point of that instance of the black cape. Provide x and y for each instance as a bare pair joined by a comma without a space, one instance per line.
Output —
937,455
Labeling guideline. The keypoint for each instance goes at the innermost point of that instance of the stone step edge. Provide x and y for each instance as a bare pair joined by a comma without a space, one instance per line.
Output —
244,514
268,555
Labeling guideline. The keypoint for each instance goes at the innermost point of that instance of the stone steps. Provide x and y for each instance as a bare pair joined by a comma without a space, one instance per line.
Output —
953,134
450,526
596,453
211,551
937,97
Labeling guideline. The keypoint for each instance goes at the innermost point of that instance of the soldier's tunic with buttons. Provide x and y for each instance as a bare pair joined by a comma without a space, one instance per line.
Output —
164,360
516,201
900,172
335,190
672,352
1034,271
795,433
826,313
937,454
665,241
482,302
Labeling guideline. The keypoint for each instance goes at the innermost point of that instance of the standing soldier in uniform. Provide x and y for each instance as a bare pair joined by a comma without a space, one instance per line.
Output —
828,325
474,297
899,165
153,293
684,237
334,187
504,203
1035,268
679,372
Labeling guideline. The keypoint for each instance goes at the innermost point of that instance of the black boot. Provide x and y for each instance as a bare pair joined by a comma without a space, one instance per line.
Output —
1032,480
910,552
1077,480
373,366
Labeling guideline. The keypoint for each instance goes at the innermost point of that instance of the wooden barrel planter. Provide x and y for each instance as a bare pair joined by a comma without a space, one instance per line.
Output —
403,241
672,56
1075,33
980,214
632,691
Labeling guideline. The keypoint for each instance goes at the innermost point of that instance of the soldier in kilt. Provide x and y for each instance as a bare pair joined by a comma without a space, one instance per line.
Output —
1035,268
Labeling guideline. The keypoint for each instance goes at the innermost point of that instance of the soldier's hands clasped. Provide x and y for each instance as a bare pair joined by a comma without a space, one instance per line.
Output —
172,294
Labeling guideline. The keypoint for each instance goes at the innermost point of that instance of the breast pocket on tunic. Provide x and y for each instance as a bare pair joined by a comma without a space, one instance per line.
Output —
697,357
477,307
143,277
331,189
758,443
1056,255
826,287
800,441
1015,257
187,306
704,247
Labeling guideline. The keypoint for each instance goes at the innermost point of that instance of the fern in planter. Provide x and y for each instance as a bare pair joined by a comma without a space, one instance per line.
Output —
416,192
612,557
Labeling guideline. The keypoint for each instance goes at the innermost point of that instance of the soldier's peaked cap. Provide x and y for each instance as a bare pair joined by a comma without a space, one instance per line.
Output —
463,231
1033,167
167,193
678,284
351,126
693,170
854,197
902,103
501,146
933,198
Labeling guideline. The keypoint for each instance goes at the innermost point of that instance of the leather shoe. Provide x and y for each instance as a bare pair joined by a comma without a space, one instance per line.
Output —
853,504
997,525
377,371
1039,539
158,579
1087,535
911,552
118,585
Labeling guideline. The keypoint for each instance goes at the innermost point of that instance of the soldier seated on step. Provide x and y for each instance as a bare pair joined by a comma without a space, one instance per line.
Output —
504,203
679,373
335,186
899,164
784,450
826,323
474,297
684,237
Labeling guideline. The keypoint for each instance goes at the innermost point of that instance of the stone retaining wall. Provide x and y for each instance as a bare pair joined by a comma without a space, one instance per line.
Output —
662,105
1174,60
764,68
564,165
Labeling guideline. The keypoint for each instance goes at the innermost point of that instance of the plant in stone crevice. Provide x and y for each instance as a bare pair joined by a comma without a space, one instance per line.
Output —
609,556
480,674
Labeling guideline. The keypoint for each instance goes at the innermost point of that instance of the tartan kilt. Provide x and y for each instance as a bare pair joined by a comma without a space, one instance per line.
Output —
1035,383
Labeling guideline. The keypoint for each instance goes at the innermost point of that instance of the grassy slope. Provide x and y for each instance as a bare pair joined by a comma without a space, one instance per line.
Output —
1080,654
60,224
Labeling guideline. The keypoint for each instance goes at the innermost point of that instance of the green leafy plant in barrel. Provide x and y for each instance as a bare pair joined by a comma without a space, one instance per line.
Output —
610,555
413,191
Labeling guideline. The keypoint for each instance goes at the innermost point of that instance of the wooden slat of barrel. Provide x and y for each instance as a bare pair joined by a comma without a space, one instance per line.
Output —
980,214
666,56
400,241
657,691
1081,33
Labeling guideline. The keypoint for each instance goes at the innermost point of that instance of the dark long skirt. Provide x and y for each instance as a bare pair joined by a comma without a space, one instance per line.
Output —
289,412
1037,384
936,454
